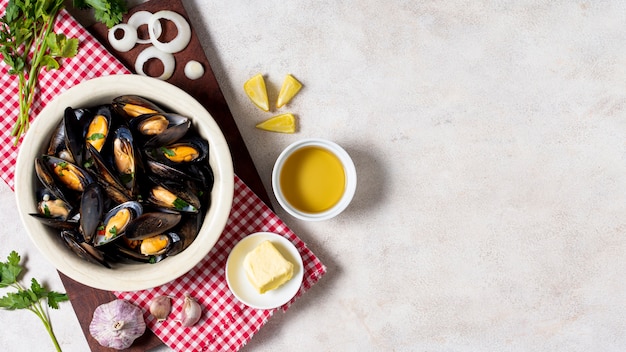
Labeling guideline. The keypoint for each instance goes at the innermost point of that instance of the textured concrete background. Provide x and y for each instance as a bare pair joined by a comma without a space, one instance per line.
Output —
489,141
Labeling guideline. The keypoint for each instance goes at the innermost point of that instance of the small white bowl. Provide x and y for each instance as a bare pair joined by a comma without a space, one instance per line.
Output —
349,173
237,279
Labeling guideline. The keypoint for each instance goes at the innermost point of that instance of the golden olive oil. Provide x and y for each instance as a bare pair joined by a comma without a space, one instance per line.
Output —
312,179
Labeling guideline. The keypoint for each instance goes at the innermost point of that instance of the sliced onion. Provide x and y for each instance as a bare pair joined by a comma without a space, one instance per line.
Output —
140,18
182,26
127,41
152,52
194,70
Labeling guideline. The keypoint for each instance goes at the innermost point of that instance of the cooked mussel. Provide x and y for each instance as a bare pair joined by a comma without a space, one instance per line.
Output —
111,184
125,160
98,128
161,129
54,212
150,224
187,151
132,106
173,195
75,125
84,250
156,245
91,210
67,174
116,220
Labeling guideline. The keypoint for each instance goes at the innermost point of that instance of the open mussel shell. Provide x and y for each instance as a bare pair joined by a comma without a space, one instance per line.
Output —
124,158
45,176
150,224
107,179
161,129
59,175
116,221
91,210
185,151
158,244
167,172
54,212
173,195
131,106
83,249
98,127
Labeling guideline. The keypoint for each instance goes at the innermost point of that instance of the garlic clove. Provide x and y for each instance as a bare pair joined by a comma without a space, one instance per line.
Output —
160,307
191,313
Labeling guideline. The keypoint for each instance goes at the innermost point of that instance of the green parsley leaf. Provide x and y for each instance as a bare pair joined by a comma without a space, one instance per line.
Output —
180,204
167,151
95,136
54,298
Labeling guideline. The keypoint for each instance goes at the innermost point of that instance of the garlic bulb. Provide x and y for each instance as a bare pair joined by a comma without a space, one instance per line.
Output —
160,307
191,311
117,324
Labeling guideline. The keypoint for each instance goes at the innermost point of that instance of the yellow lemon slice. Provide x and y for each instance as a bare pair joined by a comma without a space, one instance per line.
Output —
283,123
256,91
291,87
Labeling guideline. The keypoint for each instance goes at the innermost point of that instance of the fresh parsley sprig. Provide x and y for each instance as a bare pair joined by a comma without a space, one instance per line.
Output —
28,43
28,298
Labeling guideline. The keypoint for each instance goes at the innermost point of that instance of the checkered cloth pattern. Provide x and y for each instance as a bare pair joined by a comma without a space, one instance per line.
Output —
93,60
226,324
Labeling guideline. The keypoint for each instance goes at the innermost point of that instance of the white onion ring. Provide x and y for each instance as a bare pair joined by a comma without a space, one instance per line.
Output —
140,18
194,70
128,40
152,52
182,37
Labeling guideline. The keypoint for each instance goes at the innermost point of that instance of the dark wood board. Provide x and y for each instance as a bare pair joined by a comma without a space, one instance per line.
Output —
206,90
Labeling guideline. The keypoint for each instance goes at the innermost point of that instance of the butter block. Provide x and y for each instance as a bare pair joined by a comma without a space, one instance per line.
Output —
266,268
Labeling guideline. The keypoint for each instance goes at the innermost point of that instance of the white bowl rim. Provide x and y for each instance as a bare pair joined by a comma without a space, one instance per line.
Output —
349,169
136,276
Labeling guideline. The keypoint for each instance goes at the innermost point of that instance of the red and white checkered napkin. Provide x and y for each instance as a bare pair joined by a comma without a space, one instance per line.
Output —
92,60
226,324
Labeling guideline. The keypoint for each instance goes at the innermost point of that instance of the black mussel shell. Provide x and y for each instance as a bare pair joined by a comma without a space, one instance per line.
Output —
131,106
75,125
184,152
135,209
173,195
91,210
84,250
107,179
160,129
151,223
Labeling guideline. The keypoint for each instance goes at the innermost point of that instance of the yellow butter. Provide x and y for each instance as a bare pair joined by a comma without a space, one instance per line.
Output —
266,268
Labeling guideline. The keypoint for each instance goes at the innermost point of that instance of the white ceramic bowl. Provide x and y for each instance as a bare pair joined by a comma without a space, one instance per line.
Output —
124,277
349,173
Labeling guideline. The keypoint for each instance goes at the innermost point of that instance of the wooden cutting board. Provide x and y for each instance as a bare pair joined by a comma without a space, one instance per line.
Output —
85,299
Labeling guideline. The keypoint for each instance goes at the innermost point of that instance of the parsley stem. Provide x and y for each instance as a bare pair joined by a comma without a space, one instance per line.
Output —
27,89
39,311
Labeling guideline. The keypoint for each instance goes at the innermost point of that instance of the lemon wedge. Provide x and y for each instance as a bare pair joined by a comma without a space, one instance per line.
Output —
283,123
291,87
257,92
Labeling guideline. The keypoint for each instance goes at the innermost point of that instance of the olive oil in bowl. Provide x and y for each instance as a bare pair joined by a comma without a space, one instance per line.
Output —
314,179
